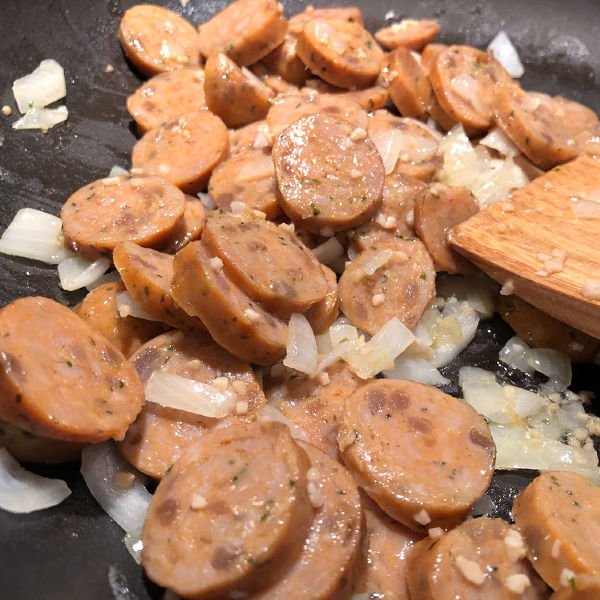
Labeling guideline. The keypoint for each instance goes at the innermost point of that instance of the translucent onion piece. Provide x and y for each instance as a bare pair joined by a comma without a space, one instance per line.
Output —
76,272
207,201
42,118
133,543
329,251
416,369
128,307
41,87
270,413
506,54
117,171
106,278
301,346
498,140
389,144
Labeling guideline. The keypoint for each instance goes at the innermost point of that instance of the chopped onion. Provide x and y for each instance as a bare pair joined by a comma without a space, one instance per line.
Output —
133,543
106,278
22,491
416,369
506,54
498,140
207,201
329,251
478,290
126,506
301,346
44,85
42,118
389,144
270,413
484,506
76,272
117,171
34,234
128,307
514,354
181,393
378,260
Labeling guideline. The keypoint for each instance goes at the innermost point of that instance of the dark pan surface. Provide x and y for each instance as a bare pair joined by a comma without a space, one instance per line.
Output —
74,551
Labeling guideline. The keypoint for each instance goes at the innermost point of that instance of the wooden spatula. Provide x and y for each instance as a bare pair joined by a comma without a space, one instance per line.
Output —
521,242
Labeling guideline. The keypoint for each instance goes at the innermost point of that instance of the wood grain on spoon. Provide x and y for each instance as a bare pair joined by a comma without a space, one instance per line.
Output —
535,243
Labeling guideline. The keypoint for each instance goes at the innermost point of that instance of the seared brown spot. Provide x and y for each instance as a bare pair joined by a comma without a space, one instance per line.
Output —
224,557
420,424
167,511
481,438
399,400
256,246
376,400
219,507
283,288
134,439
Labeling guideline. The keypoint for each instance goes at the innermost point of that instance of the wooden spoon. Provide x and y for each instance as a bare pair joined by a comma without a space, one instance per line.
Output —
535,244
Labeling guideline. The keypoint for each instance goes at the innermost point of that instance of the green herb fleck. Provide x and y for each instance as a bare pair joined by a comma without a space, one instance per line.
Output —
315,211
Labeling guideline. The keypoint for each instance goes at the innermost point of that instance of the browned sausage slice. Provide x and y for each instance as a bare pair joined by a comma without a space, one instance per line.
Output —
394,220
341,52
231,515
246,30
429,54
147,276
556,513
285,62
155,39
160,435
190,228
315,408
255,136
235,94
436,212
184,151
370,99
408,33
167,97
325,568
201,287
581,587
481,558
393,279
406,145
464,80
99,309
290,108
322,314
423,456
247,177
329,174
352,14
60,378
267,262
102,214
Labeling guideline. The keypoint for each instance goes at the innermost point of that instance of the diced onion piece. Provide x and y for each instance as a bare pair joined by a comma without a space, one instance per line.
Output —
301,346
270,413
376,261
389,144
76,272
106,278
42,118
23,492
34,234
117,171
555,365
133,543
329,251
189,395
514,354
128,307
478,290
498,140
484,506
207,201
126,506
416,369
506,54
41,87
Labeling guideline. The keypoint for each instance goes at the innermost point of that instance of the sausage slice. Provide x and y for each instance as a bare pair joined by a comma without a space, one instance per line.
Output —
267,262
556,513
341,52
201,287
147,276
392,279
285,62
155,39
159,435
231,515
60,378
184,151
235,94
481,558
167,97
190,228
323,314
352,14
246,30
370,99
102,214
408,33
329,174
429,54
423,456
255,136
436,212
581,587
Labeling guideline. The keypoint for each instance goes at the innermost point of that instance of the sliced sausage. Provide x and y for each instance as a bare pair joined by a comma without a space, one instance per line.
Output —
227,516
246,30
531,171
277,84
267,262
190,228
285,62
167,97
247,177
464,80
234,93
481,558
60,378
325,568
323,314
394,220
408,33
588,142
201,287
184,151
436,212
352,14
581,587
540,330
370,99
329,174
383,572
102,214
255,136
423,456
155,39
160,435
392,279
341,52
405,145
313,407
532,123
429,54
99,309
556,513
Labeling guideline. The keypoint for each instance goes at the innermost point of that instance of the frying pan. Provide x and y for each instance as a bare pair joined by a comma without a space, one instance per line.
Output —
74,551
